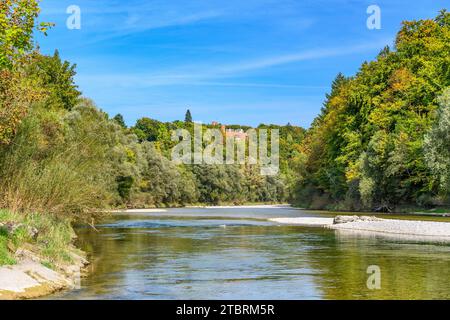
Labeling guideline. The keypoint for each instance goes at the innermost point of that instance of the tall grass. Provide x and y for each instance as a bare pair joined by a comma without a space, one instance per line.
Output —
57,164
52,242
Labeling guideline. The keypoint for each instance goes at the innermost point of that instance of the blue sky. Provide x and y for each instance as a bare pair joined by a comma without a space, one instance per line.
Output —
233,61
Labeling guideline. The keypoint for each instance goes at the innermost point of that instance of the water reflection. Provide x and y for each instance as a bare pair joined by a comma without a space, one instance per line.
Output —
218,255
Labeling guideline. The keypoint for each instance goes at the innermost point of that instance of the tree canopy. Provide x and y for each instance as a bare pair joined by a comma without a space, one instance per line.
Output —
366,148
188,117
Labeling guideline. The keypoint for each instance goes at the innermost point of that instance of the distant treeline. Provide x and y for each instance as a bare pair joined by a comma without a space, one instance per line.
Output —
151,178
382,139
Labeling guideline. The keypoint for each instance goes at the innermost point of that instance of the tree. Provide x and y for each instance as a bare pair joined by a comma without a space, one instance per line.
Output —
188,117
17,90
119,119
57,78
437,145
17,23
147,129
17,93
367,143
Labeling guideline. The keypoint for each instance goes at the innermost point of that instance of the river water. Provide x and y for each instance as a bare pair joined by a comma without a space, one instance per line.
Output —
236,253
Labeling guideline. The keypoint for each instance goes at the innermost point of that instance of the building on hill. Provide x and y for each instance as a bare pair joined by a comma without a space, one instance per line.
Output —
238,134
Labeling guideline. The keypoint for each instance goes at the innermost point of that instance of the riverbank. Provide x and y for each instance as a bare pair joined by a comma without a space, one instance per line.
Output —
29,278
441,211
421,229
37,256
247,206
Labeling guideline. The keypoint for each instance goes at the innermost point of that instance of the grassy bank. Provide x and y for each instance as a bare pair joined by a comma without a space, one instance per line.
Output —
47,236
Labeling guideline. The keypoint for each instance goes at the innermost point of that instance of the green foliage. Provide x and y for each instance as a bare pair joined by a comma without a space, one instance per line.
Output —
147,129
17,23
188,117
437,146
164,182
52,242
120,121
5,254
124,185
57,79
160,182
17,93
366,148
57,162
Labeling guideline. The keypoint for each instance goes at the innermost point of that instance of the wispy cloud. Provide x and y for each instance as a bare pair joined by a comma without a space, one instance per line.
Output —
314,54
206,74
109,19
112,19
135,24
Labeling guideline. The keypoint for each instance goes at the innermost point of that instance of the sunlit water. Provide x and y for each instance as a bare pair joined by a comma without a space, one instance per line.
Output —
237,254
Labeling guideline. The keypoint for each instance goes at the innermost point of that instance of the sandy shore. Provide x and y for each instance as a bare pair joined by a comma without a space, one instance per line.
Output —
256,206
422,229
139,210
158,210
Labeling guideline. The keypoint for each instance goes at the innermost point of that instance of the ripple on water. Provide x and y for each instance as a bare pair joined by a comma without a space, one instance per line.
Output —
167,257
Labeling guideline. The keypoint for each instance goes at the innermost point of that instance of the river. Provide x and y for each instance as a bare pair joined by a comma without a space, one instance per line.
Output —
236,253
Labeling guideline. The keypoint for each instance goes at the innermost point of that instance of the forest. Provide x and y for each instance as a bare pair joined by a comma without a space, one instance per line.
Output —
382,139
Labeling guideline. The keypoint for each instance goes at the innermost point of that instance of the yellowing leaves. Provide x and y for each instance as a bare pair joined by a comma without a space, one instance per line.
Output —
16,96
401,80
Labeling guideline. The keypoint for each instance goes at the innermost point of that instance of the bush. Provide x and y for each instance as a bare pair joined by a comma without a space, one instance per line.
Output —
57,163
52,241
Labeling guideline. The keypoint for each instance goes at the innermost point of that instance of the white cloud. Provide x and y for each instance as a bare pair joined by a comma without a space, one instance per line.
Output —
206,74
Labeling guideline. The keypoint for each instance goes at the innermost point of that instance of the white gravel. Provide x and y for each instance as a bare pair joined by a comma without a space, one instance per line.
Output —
383,226
404,227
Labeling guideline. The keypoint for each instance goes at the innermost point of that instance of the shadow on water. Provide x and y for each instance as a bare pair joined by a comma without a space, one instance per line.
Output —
218,255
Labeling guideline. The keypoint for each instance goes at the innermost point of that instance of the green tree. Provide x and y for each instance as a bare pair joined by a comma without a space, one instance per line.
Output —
17,23
188,117
437,145
57,79
367,143
147,129
59,162
17,94
17,90
119,119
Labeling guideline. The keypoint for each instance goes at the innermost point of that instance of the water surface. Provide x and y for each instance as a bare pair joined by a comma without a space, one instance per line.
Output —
236,253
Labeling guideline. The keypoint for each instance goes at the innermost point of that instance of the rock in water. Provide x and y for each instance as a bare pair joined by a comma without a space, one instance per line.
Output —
347,219
367,218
